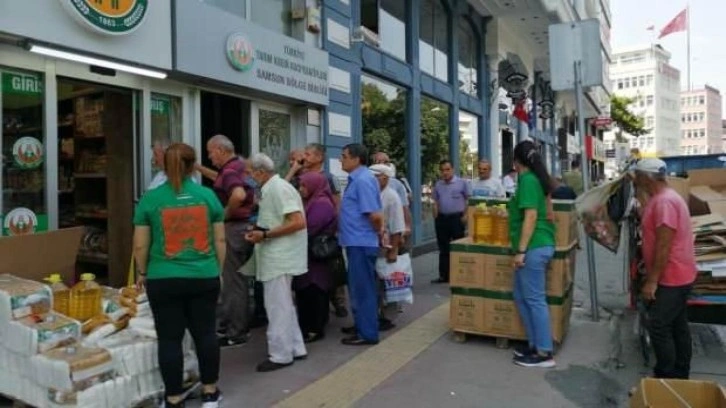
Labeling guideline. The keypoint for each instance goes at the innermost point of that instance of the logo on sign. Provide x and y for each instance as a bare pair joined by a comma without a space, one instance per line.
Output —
240,52
28,152
115,17
21,221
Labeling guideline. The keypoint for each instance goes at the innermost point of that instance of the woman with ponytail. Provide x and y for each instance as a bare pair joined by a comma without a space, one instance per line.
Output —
532,235
179,246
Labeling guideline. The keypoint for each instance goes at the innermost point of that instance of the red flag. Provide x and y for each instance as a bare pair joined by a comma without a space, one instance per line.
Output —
679,23
520,112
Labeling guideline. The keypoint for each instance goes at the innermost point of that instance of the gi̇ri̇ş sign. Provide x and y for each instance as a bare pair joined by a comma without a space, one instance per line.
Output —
113,17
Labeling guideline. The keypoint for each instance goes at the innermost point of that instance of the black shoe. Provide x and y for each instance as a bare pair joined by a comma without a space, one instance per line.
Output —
348,330
267,366
523,351
313,337
385,324
439,280
536,360
357,341
167,404
211,400
341,311
226,342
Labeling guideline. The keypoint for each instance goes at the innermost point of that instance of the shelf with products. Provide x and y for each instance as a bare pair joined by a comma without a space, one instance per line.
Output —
95,140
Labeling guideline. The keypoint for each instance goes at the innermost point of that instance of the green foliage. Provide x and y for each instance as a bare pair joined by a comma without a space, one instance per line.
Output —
626,121
384,130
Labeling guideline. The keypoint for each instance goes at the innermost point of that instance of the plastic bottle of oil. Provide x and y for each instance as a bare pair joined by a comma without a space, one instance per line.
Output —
483,225
86,297
61,293
501,226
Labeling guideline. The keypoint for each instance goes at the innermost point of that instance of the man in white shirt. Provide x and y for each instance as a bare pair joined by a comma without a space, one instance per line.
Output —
157,162
486,185
281,252
393,223
510,182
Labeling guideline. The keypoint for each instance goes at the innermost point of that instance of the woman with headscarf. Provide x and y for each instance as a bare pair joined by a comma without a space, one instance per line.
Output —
532,235
312,288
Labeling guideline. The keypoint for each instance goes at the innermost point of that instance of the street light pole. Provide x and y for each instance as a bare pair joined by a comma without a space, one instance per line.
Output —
589,247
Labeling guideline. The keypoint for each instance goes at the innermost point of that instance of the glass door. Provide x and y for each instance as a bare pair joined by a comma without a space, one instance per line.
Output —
273,125
23,183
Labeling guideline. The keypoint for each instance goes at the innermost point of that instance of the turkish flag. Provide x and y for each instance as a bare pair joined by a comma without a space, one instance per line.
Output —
520,112
679,23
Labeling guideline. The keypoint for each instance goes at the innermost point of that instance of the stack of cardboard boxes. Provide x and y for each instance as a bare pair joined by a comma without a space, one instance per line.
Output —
482,279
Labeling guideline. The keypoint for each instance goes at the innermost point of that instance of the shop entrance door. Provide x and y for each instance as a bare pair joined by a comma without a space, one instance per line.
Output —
225,115
273,127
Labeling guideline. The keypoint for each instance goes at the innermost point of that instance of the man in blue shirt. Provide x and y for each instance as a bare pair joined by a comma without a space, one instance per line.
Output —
451,196
360,228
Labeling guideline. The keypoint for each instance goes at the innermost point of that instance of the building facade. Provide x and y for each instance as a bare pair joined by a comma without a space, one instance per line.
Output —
645,75
701,121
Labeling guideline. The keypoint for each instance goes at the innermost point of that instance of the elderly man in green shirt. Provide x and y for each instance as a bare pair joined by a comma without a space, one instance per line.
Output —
573,178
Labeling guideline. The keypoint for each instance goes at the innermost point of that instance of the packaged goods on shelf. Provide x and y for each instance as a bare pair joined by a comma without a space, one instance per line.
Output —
72,368
21,297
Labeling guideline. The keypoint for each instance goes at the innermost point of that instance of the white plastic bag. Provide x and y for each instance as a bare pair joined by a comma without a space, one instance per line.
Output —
593,211
397,279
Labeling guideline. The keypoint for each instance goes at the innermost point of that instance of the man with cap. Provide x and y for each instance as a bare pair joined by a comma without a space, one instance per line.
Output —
394,226
668,254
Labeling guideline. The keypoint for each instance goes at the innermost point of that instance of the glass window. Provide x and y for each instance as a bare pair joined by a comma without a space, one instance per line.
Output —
236,7
649,100
434,148
383,107
620,84
389,22
166,121
468,145
275,134
649,80
433,39
23,154
273,14
701,100
641,81
468,63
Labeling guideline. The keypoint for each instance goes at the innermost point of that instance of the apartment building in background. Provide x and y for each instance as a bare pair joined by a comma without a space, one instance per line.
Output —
723,136
645,74
701,121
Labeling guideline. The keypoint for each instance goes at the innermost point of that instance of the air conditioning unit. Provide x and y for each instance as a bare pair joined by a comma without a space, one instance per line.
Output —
364,35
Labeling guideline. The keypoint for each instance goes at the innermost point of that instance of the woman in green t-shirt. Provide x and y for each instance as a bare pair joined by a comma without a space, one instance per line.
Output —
179,245
532,235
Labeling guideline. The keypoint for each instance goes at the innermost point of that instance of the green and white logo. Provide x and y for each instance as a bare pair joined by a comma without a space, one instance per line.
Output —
28,152
115,17
240,52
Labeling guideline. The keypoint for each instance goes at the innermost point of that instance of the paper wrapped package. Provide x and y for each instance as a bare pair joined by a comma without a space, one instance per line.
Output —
39,333
21,297
117,393
72,368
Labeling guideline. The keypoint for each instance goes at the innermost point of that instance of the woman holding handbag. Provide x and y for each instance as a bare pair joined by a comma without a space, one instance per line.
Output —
312,288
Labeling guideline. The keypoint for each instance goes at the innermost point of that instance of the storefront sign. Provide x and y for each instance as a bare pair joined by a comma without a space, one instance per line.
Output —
602,121
237,51
114,17
21,84
28,152
23,221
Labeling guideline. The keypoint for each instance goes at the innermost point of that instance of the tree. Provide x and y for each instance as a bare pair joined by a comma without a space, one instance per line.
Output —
624,119
467,159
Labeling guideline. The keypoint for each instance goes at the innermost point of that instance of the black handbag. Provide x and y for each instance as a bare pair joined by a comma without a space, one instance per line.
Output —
324,246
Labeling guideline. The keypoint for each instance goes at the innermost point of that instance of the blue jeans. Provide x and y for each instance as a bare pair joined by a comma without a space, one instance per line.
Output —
363,290
531,298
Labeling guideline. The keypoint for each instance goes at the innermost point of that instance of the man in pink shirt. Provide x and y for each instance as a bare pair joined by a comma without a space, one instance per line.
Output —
671,269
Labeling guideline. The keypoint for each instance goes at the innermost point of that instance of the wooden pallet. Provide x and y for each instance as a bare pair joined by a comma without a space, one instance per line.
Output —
501,341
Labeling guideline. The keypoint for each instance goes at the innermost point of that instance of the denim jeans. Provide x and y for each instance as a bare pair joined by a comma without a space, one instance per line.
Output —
531,298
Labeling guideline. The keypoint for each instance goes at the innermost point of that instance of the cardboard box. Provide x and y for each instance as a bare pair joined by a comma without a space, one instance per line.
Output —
658,393
38,255
681,185
486,267
495,314
707,188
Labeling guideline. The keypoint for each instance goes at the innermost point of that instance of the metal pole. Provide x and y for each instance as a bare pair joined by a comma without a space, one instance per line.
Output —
589,247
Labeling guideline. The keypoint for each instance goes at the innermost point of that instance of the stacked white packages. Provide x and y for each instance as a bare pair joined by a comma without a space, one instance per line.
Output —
21,297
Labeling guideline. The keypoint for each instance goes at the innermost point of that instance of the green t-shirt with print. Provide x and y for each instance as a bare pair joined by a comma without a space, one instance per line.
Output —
182,236
530,195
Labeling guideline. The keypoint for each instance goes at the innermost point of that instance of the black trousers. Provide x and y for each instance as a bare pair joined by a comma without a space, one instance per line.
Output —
669,332
312,309
178,305
448,228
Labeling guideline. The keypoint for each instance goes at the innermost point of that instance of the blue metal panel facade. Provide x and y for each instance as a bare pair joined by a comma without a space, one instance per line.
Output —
362,58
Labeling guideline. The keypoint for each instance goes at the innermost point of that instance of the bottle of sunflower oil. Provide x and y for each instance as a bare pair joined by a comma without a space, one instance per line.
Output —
483,224
86,298
501,226
61,293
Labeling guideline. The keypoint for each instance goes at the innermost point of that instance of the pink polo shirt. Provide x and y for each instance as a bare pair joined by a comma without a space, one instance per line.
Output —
669,209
